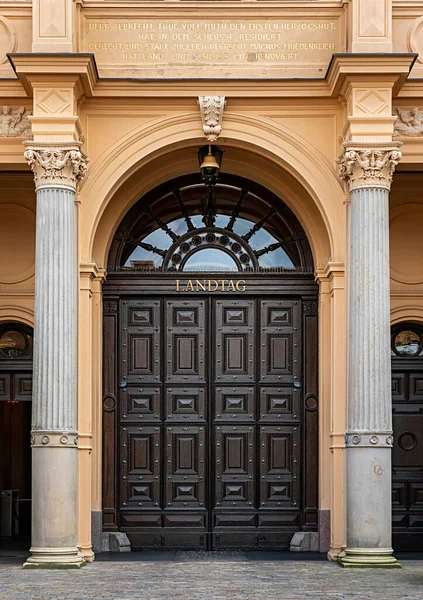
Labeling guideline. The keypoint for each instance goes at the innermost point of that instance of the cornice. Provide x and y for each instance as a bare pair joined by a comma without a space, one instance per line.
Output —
393,68
343,68
31,67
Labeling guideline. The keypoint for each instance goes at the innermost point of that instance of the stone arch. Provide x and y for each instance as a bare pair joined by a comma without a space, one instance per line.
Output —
410,313
272,155
17,314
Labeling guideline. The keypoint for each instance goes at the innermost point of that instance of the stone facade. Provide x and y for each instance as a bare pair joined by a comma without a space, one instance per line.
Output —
327,116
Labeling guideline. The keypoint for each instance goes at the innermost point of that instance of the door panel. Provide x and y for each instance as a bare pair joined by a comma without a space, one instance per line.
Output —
210,409
407,454
15,449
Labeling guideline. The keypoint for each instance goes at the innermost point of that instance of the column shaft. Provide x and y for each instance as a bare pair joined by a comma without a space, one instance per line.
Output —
369,436
54,438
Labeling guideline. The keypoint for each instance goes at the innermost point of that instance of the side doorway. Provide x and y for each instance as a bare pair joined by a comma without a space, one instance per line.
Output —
407,456
15,429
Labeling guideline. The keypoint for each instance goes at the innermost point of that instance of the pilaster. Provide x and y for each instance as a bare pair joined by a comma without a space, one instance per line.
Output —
53,26
89,405
332,378
370,26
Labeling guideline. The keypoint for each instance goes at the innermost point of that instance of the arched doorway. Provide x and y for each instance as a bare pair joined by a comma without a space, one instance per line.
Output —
210,370
407,456
15,429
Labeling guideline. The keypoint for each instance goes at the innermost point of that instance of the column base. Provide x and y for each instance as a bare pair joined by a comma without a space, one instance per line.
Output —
369,557
54,558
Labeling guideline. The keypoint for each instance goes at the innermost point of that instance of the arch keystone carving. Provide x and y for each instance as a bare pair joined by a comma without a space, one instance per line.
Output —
211,109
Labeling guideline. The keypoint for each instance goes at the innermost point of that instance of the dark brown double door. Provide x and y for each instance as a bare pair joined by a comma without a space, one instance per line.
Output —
407,454
15,449
211,422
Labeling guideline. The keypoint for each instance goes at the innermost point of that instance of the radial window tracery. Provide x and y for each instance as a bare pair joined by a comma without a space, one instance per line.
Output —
182,226
227,246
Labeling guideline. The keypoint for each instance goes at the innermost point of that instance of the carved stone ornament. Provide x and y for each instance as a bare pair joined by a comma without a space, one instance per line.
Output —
409,123
15,123
211,109
362,166
61,165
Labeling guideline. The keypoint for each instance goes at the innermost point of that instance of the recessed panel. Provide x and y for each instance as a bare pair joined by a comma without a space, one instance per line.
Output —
140,403
280,467
185,466
185,404
141,316
234,404
185,316
234,316
184,341
5,386
398,386
279,341
234,340
23,386
416,387
279,404
141,493
278,316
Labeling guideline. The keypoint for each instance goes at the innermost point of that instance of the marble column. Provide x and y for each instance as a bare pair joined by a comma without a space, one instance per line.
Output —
368,173
57,170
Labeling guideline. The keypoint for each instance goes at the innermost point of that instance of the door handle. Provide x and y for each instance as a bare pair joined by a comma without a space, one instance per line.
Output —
12,402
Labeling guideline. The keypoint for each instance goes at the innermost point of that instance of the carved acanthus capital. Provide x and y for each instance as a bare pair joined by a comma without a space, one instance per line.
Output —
62,165
363,166
211,109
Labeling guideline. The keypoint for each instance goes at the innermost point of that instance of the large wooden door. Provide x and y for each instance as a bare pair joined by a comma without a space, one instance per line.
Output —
15,449
210,421
407,455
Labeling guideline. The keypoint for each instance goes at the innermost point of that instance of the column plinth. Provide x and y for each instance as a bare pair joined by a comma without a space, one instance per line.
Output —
54,439
368,172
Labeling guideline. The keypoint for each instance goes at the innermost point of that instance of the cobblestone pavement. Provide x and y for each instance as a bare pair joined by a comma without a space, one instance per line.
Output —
233,577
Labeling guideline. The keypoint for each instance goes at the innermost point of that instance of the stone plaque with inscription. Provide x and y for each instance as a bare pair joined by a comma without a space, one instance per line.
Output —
219,48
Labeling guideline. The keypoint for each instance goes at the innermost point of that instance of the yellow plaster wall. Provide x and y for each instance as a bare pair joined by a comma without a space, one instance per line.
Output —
17,247
406,227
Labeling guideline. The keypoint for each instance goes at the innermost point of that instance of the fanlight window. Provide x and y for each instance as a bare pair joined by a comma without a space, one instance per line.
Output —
407,340
216,242
15,342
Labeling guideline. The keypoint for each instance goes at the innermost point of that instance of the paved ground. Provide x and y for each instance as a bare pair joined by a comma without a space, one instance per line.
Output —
233,576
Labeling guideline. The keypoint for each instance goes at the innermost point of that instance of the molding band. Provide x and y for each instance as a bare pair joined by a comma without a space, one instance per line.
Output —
372,439
54,439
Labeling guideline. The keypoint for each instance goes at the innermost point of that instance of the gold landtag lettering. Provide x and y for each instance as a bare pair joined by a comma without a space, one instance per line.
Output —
210,285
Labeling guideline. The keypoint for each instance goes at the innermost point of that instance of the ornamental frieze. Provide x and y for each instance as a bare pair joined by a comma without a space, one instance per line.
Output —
15,123
409,123
61,165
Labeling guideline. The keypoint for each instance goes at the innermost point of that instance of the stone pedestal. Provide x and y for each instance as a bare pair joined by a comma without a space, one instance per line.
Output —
54,440
368,172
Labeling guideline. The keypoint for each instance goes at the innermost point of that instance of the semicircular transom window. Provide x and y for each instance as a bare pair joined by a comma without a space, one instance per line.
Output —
15,342
215,242
407,340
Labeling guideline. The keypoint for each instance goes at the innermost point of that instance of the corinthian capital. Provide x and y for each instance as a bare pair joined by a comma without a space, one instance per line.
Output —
62,165
364,166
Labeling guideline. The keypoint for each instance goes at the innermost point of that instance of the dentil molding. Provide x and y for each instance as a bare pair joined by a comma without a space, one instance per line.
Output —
363,166
211,109
56,165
